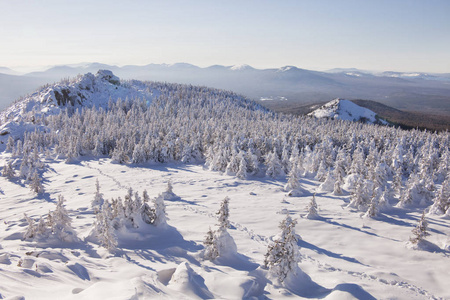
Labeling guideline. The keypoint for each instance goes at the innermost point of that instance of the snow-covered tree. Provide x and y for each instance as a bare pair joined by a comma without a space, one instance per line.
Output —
10,144
36,184
43,229
358,196
8,171
312,209
328,183
61,223
322,171
98,200
168,194
442,200
233,164
220,243
211,251
148,213
337,190
383,203
420,231
372,211
130,208
104,229
283,255
223,214
293,180
242,171
31,229
273,165
160,211
169,188
252,163
397,180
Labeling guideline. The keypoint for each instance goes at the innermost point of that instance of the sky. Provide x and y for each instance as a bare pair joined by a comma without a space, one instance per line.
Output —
381,35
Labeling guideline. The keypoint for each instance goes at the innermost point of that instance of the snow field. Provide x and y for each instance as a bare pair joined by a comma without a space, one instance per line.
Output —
344,256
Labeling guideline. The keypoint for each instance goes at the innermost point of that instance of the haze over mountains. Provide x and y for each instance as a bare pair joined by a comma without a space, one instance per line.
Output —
287,86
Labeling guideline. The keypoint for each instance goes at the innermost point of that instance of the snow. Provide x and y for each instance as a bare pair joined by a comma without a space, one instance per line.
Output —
85,90
343,256
278,98
242,67
345,110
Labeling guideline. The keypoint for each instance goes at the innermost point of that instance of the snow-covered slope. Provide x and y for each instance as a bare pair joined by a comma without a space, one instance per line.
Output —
85,90
343,256
346,110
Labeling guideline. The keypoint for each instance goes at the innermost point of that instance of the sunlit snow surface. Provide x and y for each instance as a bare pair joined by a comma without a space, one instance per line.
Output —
344,256
345,110
87,90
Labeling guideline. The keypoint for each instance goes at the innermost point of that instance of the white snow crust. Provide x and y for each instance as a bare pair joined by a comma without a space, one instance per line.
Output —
345,110
343,256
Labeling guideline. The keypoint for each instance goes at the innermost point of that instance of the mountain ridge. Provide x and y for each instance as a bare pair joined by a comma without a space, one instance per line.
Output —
296,86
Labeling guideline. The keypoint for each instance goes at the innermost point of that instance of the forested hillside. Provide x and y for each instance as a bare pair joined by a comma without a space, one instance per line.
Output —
98,124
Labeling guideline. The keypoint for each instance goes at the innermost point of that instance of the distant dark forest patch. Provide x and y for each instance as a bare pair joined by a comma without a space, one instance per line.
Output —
406,119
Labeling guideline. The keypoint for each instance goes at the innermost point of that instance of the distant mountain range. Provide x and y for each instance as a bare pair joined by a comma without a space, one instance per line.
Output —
287,86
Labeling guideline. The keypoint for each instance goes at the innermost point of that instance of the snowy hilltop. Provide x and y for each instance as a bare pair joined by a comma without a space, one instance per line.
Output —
90,91
341,109
83,91
114,189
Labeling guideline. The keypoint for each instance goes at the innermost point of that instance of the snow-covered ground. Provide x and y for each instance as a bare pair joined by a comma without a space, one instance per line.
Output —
342,109
344,256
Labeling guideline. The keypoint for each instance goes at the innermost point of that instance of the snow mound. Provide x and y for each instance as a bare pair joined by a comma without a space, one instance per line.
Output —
346,110
187,281
298,192
424,245
349,291
302,285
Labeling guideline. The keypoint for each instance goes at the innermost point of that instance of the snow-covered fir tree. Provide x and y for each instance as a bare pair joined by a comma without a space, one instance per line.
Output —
168,194
358,197
337,190
160,211
61,224
56,225
312,208
220,243
36,184
31,228
10,144
273,165
283,255
383,203
328,183
98,200
223,214
148,213
372,211
211,250
8,171
242,171
104,229
420,231
442,200
293,182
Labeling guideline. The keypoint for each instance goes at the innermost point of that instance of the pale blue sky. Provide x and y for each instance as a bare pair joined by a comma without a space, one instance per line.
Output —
399,35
